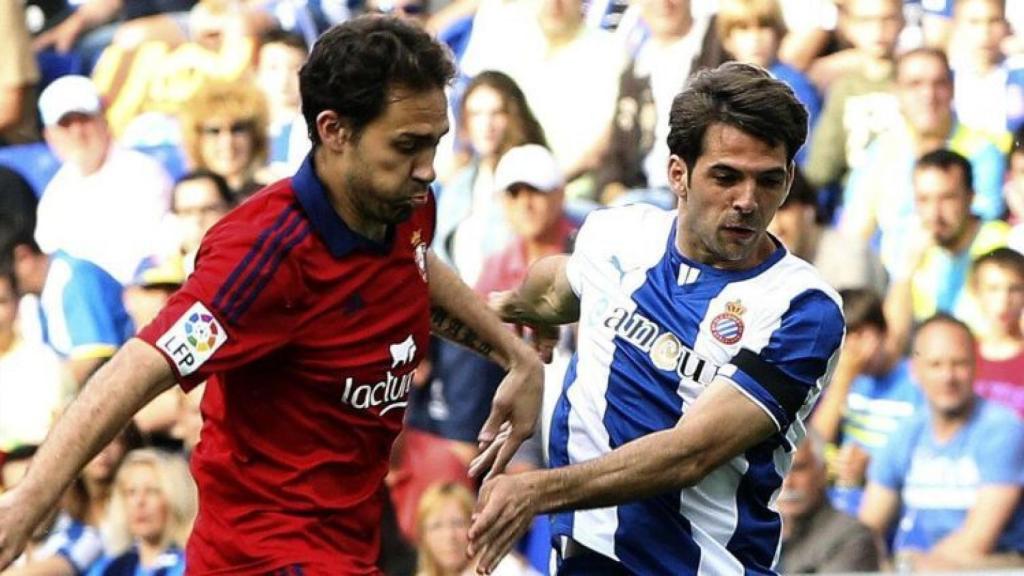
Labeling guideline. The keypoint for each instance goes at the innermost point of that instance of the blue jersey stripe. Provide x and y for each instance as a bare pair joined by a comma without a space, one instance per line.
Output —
810,330
558,444
243,264
279,256
245,287
758,529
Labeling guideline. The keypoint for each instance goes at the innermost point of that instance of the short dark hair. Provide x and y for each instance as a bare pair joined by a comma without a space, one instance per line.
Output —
739,95
944,318
946,160
1005,258
354,65
862,308
925,51
223,190
284,37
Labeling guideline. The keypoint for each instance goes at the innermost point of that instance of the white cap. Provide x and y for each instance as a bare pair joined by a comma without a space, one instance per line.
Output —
68,94
530,164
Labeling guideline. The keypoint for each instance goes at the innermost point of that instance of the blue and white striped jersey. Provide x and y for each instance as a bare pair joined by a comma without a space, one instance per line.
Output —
655,329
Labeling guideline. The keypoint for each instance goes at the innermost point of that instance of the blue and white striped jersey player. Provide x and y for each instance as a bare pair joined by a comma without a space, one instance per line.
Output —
703,344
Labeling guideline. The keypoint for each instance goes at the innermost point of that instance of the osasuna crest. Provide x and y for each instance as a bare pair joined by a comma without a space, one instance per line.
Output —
727,327
420,253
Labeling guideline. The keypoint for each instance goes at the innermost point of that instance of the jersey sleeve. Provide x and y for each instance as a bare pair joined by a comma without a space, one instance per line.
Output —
588,242
91,310
82,548
239,303
798,358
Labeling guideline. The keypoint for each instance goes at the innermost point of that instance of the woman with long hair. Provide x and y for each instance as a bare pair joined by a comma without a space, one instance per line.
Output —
150,516
493,118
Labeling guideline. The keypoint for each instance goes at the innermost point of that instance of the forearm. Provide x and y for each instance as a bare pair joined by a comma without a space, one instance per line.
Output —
545,296
98,12
459,315
104,406
634,471
829,413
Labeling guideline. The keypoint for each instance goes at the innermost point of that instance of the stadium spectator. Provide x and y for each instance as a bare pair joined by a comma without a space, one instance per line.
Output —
310,325
224,128
844,262
146,83
84,319
97,477
32,382
817,538
415,11
997,284
989,88
670,425
19,75
1013,190
494,117
751,31
105,201
567,70
941,240
199,199
149,518
954,470
675,46
871,394
62,545
860,104
281,55
879,196
443,518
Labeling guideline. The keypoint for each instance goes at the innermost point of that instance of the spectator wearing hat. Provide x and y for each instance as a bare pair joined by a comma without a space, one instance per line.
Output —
105,201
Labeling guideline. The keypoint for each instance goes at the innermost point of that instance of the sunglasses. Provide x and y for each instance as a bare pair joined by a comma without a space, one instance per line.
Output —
407,9
235,128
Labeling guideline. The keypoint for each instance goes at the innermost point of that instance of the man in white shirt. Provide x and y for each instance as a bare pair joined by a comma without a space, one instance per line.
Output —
105,202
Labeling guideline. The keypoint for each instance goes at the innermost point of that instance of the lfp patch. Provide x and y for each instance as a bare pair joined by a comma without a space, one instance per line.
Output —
727,327
193,339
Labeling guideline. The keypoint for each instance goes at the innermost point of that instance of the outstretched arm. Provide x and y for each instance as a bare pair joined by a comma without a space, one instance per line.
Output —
458,314
133,377
545,296
722,423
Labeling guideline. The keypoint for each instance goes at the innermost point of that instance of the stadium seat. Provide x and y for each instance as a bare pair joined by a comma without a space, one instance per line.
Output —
35,162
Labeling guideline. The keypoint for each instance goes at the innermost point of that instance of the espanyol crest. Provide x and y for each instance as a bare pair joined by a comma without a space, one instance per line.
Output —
727,327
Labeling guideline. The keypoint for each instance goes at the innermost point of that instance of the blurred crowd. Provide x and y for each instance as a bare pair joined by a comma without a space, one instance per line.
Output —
128,128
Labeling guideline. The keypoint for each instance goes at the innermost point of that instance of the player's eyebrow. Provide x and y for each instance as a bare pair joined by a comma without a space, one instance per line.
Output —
730,169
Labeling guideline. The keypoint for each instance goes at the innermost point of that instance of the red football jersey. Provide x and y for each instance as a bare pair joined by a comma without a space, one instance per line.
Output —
307,335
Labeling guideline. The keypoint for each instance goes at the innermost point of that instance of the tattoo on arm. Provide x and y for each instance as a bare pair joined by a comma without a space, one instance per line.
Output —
450,328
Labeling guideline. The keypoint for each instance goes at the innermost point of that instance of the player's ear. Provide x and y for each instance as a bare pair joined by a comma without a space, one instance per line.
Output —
678,176
335,131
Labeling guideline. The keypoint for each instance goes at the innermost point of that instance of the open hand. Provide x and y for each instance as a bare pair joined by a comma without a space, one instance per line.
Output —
504,512
513,415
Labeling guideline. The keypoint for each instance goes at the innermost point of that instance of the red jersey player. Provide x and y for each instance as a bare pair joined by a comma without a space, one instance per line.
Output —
309,309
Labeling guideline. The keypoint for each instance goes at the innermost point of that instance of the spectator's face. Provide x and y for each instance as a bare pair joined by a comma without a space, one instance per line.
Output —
1000,295
804,487
533,213
1014,189
793,225
926,93
944,366
486,121
738,183
753,43
873,26
80,139
414,11
943,203
278,75
387,169
197,206
560,18
445,536
227,146
979,27
145,502
8,309
666,18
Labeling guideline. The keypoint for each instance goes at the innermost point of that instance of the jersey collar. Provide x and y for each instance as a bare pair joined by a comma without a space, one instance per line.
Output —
339,238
